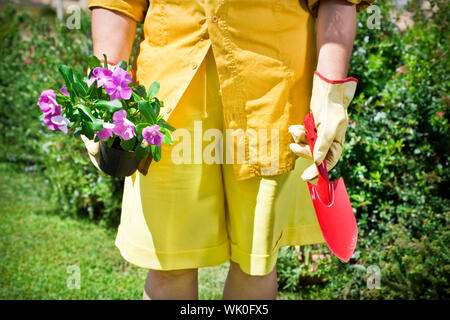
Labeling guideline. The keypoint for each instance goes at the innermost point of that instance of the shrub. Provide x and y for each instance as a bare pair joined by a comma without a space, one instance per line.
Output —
395,163
32,49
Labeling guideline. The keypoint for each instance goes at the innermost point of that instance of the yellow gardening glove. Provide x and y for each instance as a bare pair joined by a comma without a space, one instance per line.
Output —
93,149
329,102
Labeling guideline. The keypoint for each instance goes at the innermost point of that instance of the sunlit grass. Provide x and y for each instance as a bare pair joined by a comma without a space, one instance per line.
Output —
39,250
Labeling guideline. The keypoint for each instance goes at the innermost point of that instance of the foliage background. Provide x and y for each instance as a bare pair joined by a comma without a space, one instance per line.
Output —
395,161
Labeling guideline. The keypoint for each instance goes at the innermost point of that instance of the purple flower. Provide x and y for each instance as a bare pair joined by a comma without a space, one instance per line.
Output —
152,135
63,90
122,126
107,131
52,111
57,122
117,87
47,103
102,75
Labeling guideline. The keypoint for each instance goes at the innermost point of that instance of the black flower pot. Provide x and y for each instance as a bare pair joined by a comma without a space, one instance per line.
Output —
117,162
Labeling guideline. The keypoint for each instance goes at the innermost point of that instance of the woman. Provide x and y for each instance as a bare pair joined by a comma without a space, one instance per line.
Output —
237,79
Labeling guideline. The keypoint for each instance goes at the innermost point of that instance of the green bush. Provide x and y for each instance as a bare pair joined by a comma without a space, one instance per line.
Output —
31,51
396,155
410,268
395,163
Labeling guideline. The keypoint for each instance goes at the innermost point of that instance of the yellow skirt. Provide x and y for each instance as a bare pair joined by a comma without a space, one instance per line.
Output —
186,213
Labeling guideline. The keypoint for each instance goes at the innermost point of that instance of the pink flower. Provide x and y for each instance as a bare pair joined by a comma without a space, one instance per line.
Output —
63,90
28,60
107,131
122,126
47,103
401,69
117,87
152,135
102,75
440,114
52,111
57,122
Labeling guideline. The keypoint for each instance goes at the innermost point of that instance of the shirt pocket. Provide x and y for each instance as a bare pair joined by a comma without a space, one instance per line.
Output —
155,23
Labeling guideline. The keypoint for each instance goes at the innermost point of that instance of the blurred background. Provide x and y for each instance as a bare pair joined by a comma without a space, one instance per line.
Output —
58,214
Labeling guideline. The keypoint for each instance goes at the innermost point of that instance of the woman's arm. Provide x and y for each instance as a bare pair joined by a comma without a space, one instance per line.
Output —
336,27
112,34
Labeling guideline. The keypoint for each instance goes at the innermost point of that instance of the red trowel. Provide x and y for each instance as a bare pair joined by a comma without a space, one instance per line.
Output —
332,205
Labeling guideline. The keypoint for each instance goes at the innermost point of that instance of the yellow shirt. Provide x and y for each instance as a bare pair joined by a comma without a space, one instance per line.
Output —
265,56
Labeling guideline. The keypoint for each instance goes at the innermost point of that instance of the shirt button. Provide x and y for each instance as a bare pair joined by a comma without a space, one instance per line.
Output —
194,66
215,19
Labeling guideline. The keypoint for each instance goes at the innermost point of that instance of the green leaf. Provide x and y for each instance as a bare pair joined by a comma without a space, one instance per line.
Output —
128,144
168,139
95,125
87,130
164,124
62,99
153,90
93,90
141,153
80,86
139,90
146,111
110,106
156,152
138,129
94,62
135,96
105,61
122,64
85,112
67,74
155,106
77,132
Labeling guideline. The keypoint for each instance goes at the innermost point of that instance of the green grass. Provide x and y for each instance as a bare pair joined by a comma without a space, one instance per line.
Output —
38,250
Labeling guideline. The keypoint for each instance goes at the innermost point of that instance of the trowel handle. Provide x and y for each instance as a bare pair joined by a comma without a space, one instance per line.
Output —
323,182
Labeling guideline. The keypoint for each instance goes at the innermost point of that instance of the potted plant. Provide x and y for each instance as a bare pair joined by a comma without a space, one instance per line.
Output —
104,107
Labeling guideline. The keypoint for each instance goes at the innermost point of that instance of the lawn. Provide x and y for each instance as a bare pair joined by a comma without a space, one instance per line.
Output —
41,252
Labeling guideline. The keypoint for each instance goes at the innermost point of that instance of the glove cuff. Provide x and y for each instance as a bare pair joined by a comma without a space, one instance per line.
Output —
326,91
335,81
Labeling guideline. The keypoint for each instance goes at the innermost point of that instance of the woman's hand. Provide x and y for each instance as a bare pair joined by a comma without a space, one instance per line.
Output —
329,104
93,149
112,34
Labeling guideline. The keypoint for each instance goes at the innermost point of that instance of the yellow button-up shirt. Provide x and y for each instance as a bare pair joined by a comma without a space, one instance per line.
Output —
265,56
